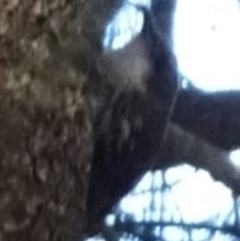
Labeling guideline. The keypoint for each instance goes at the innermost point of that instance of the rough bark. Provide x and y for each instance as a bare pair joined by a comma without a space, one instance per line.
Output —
46,116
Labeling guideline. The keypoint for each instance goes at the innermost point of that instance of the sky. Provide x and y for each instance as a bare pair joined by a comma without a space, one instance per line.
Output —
207,42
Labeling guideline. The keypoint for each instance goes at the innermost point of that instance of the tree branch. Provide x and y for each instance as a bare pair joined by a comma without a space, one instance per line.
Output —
214,117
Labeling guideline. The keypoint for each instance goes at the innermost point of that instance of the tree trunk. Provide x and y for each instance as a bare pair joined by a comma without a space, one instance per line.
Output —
46,116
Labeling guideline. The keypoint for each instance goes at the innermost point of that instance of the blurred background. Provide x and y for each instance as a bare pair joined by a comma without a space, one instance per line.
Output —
182,203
